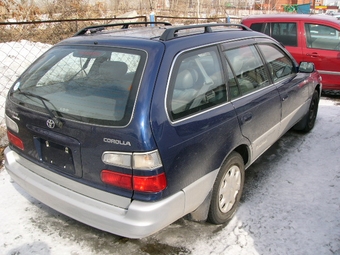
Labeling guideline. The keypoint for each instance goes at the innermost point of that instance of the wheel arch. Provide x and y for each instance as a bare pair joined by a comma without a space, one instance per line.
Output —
201,213
244,151
318,88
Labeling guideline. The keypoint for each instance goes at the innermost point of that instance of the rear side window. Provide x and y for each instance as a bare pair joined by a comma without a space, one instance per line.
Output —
322,37
196,83
90,84
248,68
259,27
279,64
284,32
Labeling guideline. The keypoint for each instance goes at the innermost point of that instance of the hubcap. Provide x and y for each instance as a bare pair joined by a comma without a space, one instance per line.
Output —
229,188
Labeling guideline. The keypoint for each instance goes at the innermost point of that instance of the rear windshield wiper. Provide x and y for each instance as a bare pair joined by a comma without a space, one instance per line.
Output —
54,117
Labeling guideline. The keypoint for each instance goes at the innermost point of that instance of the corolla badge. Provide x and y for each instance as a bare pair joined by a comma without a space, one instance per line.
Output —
116,141
50,123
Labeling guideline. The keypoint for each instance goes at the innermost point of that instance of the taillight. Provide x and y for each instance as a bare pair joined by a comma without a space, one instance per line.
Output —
141,161
11,124
16,141
137,160
154,183
146,160
117,179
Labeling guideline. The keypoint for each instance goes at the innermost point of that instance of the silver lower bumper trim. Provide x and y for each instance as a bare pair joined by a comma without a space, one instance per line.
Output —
138,220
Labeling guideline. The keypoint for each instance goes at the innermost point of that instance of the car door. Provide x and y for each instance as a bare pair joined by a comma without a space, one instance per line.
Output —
323,49
255,99
292,86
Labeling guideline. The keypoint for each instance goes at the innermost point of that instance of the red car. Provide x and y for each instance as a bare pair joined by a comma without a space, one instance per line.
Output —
313,38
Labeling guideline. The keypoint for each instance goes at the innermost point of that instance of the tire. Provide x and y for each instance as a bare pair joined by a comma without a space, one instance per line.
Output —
227,190
308,121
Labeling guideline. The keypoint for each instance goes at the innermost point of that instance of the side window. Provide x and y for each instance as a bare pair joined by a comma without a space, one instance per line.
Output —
322,37
279,64
285,33
248,69
258,27
261,27
196,83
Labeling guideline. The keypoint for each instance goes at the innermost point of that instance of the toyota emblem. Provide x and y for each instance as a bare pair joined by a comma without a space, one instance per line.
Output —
50,123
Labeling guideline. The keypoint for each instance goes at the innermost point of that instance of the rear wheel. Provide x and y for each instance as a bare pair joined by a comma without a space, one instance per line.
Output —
308,121
227,190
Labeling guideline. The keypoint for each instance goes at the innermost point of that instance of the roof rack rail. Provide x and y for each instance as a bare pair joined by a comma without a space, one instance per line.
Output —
171,33
98,28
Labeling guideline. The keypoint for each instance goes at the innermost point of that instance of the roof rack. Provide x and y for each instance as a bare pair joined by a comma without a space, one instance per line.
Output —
98,28
171,33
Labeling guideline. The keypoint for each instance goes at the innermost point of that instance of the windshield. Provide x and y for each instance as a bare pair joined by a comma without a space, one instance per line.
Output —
95,85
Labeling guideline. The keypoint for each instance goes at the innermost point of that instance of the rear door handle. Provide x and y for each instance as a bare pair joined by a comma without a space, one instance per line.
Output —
247,117
284,98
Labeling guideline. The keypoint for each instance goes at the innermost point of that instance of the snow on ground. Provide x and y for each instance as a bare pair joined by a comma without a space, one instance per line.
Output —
290,205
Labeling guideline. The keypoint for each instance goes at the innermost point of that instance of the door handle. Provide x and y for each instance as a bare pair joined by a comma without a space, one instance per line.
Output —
247,117
284,98
313,55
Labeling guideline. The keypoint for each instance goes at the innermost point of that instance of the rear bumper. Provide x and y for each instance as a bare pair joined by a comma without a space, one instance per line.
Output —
137,220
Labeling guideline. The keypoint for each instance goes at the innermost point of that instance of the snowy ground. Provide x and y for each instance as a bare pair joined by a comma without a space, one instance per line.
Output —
291,202
291,205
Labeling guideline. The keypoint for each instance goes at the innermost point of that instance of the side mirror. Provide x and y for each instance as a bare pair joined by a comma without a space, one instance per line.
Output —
306,67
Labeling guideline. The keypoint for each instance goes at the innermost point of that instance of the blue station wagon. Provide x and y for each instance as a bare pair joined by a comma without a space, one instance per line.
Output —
129,129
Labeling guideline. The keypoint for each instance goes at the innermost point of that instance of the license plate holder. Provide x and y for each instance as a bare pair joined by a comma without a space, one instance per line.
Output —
57,155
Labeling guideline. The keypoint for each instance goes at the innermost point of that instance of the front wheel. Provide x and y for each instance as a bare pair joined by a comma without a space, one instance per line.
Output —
227,190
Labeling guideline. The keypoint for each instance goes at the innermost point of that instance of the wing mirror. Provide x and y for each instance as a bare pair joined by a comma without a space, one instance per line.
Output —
306,67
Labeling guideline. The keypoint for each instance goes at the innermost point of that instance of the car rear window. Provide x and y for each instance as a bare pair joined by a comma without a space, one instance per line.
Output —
96,85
